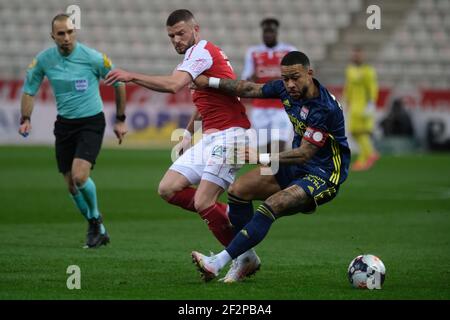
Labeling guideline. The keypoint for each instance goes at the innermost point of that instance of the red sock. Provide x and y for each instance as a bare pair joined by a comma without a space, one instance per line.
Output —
184,199
218,222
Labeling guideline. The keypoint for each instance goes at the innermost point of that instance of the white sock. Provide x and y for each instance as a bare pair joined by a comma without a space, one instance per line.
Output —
223,258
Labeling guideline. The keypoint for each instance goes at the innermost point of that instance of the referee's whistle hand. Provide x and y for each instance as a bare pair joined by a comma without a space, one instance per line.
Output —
120,130
24,129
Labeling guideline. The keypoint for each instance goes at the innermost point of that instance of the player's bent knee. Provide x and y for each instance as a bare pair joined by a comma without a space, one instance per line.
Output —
165,191
79,178
202,203
309,207
72,189
238,190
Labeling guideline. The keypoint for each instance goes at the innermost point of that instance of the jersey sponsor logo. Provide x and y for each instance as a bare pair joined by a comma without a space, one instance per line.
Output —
265,71
32,64
299,126
81,85
304,113
107,62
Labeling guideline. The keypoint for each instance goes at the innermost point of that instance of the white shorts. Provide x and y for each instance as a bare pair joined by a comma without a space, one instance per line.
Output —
272,118
213,158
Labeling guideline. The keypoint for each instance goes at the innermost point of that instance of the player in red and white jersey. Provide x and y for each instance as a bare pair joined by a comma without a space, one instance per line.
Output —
262,64
218,111
209,163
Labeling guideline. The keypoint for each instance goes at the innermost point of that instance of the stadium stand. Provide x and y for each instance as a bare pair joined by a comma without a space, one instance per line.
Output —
414,46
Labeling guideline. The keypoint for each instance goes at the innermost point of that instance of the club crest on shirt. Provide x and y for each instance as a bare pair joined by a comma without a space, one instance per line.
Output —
304,113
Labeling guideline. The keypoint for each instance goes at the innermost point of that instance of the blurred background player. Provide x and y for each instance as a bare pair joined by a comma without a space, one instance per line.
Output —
309,175
360,93
74,71
262,64
223,122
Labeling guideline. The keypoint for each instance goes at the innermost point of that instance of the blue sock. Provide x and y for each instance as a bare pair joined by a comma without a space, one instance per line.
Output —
253,232
89,192
240,212
81,204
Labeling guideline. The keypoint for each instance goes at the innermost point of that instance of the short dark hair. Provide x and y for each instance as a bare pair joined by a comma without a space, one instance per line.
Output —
295,57
179,15
60,17
269,21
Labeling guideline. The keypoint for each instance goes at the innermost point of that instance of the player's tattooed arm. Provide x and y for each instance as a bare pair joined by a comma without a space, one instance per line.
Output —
241,88
298,155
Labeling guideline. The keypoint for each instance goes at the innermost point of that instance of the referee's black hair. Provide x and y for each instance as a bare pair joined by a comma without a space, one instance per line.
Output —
295,57
270,21
60,17
179,15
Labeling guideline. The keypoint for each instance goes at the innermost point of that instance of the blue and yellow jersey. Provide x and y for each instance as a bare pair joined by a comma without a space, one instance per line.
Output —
73,78
321,122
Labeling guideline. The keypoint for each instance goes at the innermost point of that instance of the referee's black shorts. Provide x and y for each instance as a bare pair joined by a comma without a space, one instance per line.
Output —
78,138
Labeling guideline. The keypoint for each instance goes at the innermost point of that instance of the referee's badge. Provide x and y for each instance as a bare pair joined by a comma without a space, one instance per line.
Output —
32,64
107,62
81,85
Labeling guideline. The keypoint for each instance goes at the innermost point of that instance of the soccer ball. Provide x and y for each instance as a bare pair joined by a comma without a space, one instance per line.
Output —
366,272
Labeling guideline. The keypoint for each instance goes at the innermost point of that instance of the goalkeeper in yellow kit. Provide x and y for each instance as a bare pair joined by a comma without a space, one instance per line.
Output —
360,93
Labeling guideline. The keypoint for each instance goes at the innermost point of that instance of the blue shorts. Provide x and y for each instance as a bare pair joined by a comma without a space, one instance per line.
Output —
320,189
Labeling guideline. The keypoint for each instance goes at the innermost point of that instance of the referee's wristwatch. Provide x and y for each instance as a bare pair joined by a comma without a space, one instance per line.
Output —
121,118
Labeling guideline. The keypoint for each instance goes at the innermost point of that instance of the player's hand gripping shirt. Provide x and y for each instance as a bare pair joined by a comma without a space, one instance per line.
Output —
73,78
217,109
320,121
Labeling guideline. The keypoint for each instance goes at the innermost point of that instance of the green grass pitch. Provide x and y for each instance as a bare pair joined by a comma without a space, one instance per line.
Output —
399,211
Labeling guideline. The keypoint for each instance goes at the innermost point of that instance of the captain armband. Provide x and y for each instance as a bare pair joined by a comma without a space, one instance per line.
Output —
315,136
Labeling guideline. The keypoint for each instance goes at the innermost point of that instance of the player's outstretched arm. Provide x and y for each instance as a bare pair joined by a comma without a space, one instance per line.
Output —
171,84
26,108
241,88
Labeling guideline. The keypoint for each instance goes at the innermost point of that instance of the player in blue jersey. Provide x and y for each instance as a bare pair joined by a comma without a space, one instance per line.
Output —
74,71
309,175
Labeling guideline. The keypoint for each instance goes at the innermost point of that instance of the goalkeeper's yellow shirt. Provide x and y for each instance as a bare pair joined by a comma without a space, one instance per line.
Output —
361,87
